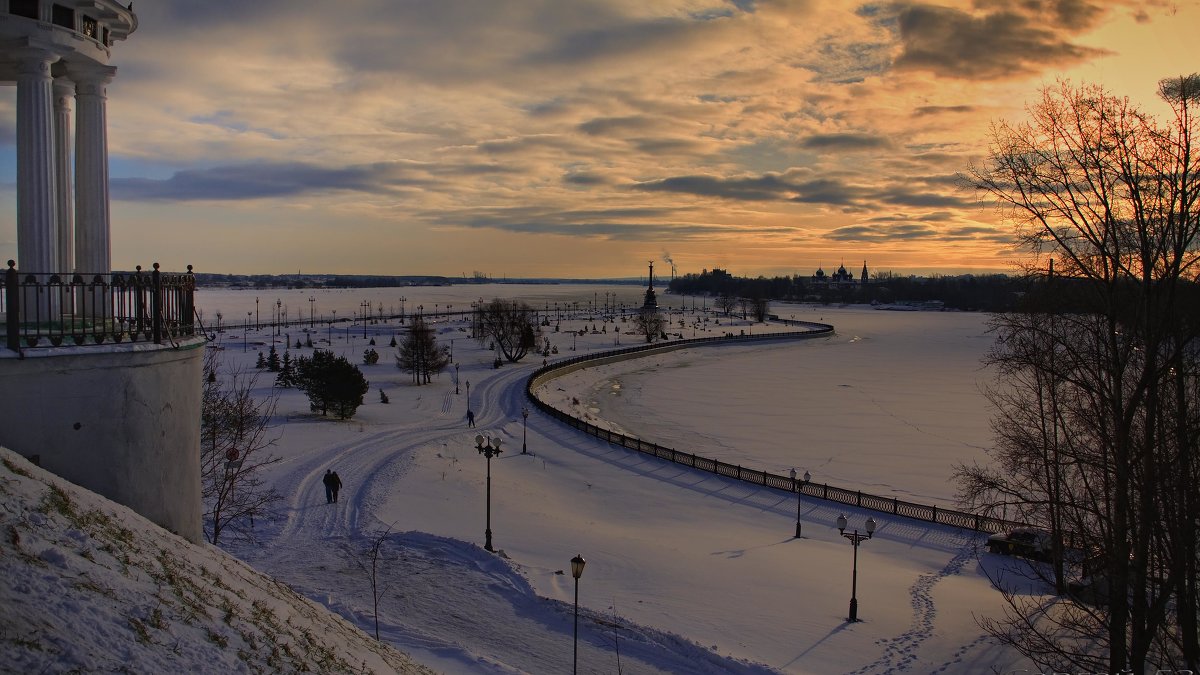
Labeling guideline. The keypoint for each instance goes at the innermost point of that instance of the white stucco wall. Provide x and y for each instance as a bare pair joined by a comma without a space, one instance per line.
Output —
120,420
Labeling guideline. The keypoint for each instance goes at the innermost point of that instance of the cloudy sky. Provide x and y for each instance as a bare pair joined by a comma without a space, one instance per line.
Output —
581,138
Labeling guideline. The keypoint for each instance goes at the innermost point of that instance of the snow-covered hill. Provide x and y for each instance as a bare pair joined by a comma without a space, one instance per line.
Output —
90,586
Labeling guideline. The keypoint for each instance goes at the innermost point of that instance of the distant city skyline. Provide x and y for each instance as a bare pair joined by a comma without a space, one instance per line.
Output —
539,139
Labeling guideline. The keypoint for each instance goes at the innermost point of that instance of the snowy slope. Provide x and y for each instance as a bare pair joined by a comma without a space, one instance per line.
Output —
91,586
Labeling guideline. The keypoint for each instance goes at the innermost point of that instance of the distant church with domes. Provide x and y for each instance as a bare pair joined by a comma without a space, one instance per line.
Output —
842,277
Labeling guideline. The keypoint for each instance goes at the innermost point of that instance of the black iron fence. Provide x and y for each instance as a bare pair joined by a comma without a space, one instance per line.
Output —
856,498
57,310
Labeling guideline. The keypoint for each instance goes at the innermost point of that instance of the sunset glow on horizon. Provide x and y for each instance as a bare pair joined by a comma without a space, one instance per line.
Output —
540,138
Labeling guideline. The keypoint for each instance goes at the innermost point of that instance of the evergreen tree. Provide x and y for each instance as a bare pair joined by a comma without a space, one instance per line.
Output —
261,363
287,373
273,364
331,383
419,353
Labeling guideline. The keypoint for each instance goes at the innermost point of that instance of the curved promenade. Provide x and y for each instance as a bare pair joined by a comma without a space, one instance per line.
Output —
856,498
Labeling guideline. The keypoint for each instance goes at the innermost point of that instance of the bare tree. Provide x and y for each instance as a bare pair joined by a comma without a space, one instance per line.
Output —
760,309
235,442
1097,424
371,561
726,303
373,556
649,322
419,353
510,324
744,305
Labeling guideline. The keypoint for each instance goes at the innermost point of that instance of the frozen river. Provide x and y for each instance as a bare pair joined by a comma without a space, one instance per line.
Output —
888,405
322,304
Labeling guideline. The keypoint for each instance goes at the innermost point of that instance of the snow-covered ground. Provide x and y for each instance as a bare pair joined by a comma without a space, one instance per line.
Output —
686,572
706,558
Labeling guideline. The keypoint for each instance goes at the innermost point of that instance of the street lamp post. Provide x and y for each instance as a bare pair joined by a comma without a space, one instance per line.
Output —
456,379
488,448
366,316
855,539
246,334
312,316
468,397
402,299
524,428
256,322
278,309
798,489
577,564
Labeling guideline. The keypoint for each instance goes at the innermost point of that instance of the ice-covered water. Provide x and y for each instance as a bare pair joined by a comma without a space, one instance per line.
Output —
888,405
236,304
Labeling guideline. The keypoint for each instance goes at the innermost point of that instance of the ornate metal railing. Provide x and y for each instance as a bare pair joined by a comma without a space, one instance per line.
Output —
856,498
63,310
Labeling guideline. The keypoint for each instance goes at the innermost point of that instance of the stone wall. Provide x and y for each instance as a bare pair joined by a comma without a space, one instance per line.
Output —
120,420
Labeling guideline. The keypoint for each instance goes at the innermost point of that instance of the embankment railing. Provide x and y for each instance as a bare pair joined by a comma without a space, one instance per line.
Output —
856,498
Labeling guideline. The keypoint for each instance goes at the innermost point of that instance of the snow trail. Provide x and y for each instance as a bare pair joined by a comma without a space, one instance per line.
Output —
901,652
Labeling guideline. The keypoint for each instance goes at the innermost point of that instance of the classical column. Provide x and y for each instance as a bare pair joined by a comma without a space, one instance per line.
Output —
36,222
64,91
92,244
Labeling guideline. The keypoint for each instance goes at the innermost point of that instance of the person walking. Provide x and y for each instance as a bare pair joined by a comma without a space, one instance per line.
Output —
328,481
470,418
337,486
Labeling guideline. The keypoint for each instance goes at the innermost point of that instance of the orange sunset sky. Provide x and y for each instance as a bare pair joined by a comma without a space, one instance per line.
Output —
581,138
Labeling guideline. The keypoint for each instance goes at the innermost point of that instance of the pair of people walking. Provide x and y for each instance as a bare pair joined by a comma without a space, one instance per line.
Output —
332,485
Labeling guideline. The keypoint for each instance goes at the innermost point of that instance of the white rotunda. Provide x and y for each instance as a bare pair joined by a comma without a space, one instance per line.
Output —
100,372
57,52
